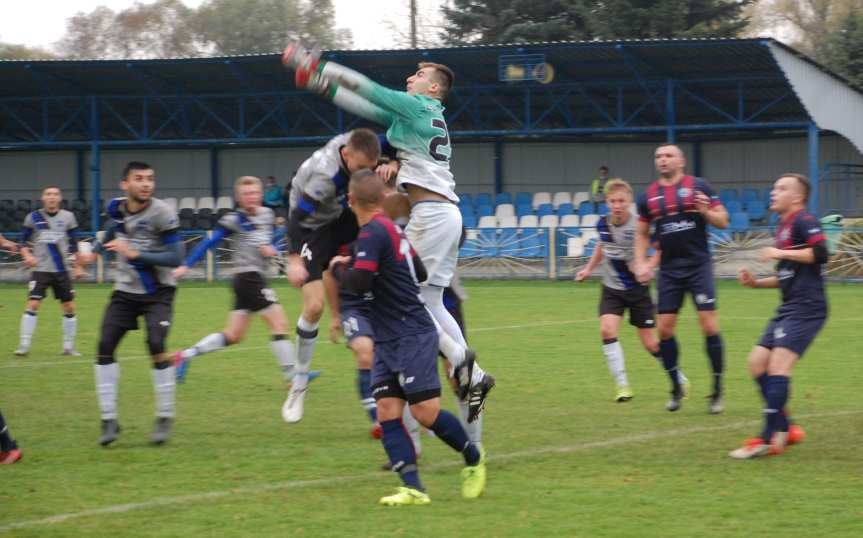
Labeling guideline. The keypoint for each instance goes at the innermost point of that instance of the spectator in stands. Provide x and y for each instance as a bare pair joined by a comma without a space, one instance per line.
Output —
273,194
597,188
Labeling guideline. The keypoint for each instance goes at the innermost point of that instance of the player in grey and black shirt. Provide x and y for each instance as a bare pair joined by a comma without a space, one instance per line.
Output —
144,237
319,223
251,228
50,234
620,289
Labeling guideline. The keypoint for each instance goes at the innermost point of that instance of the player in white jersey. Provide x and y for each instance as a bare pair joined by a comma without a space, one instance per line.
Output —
53,233
145,239
251,227
620,289
417,129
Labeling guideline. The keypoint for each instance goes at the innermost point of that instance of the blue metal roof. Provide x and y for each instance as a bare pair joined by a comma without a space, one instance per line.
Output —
612,88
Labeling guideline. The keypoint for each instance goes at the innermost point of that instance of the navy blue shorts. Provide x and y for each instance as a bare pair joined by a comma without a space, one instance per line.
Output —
356,322
672,285
406,368
791,332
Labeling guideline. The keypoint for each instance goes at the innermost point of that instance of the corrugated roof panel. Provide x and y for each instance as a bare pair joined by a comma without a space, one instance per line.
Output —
831,104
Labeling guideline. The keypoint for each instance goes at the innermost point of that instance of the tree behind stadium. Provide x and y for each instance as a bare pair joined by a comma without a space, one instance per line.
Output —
170,29
508,21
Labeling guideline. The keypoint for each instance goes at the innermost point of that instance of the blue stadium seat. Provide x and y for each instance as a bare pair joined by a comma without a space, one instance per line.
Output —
469,221
733,206
502,198
756,209
739,222
523,209
484,210
544,209
603,209
728,195
465,198
767,192
523,198
585,208
750,195
482,198
466,211
773,220
565,209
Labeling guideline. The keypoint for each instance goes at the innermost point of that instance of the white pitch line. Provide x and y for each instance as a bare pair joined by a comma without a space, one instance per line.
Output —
328,481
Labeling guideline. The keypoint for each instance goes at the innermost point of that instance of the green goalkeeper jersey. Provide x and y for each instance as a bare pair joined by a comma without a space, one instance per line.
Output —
416,127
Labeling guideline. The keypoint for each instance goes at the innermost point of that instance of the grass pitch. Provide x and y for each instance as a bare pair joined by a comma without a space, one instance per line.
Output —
565,460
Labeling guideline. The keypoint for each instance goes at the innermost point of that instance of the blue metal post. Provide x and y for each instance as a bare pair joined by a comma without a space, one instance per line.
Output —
214,172
814,202
498,166
670,116
79,174
95,165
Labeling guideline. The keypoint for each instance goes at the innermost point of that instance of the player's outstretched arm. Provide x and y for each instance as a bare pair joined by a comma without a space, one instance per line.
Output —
206,245
395,102
359,106
595,258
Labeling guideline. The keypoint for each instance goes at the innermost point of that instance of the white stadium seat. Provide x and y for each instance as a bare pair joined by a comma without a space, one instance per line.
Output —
541,198
528,221
581,196
206,202
504,210
589,221
569,221
574,247
172,202
488,221
224,202
561,198
507,222
187,202
548,221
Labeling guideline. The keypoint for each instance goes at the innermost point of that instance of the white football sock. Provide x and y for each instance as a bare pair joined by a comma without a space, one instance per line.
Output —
70,329
107,377
305,346
284,353
28,327
473,429
614,356
413,428
165,385
207,344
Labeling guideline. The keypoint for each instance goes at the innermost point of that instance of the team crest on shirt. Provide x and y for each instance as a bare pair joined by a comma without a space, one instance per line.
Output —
684,192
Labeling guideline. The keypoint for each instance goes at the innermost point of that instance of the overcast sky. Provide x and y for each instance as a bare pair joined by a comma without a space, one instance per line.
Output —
42,22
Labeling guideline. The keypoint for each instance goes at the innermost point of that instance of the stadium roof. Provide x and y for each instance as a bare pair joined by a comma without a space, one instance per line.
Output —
661,88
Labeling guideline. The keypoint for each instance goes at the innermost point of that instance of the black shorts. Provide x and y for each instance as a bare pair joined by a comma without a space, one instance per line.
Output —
251,292
60,284
321,245
637,300
672,285
157,309
791,332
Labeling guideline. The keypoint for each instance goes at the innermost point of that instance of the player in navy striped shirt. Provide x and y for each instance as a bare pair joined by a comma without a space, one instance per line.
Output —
681,207
406,342
800,251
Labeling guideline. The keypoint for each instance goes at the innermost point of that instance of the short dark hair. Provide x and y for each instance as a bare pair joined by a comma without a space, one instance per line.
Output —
366,187
445,78
803,181
366,142
46,187
603,167
135,165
